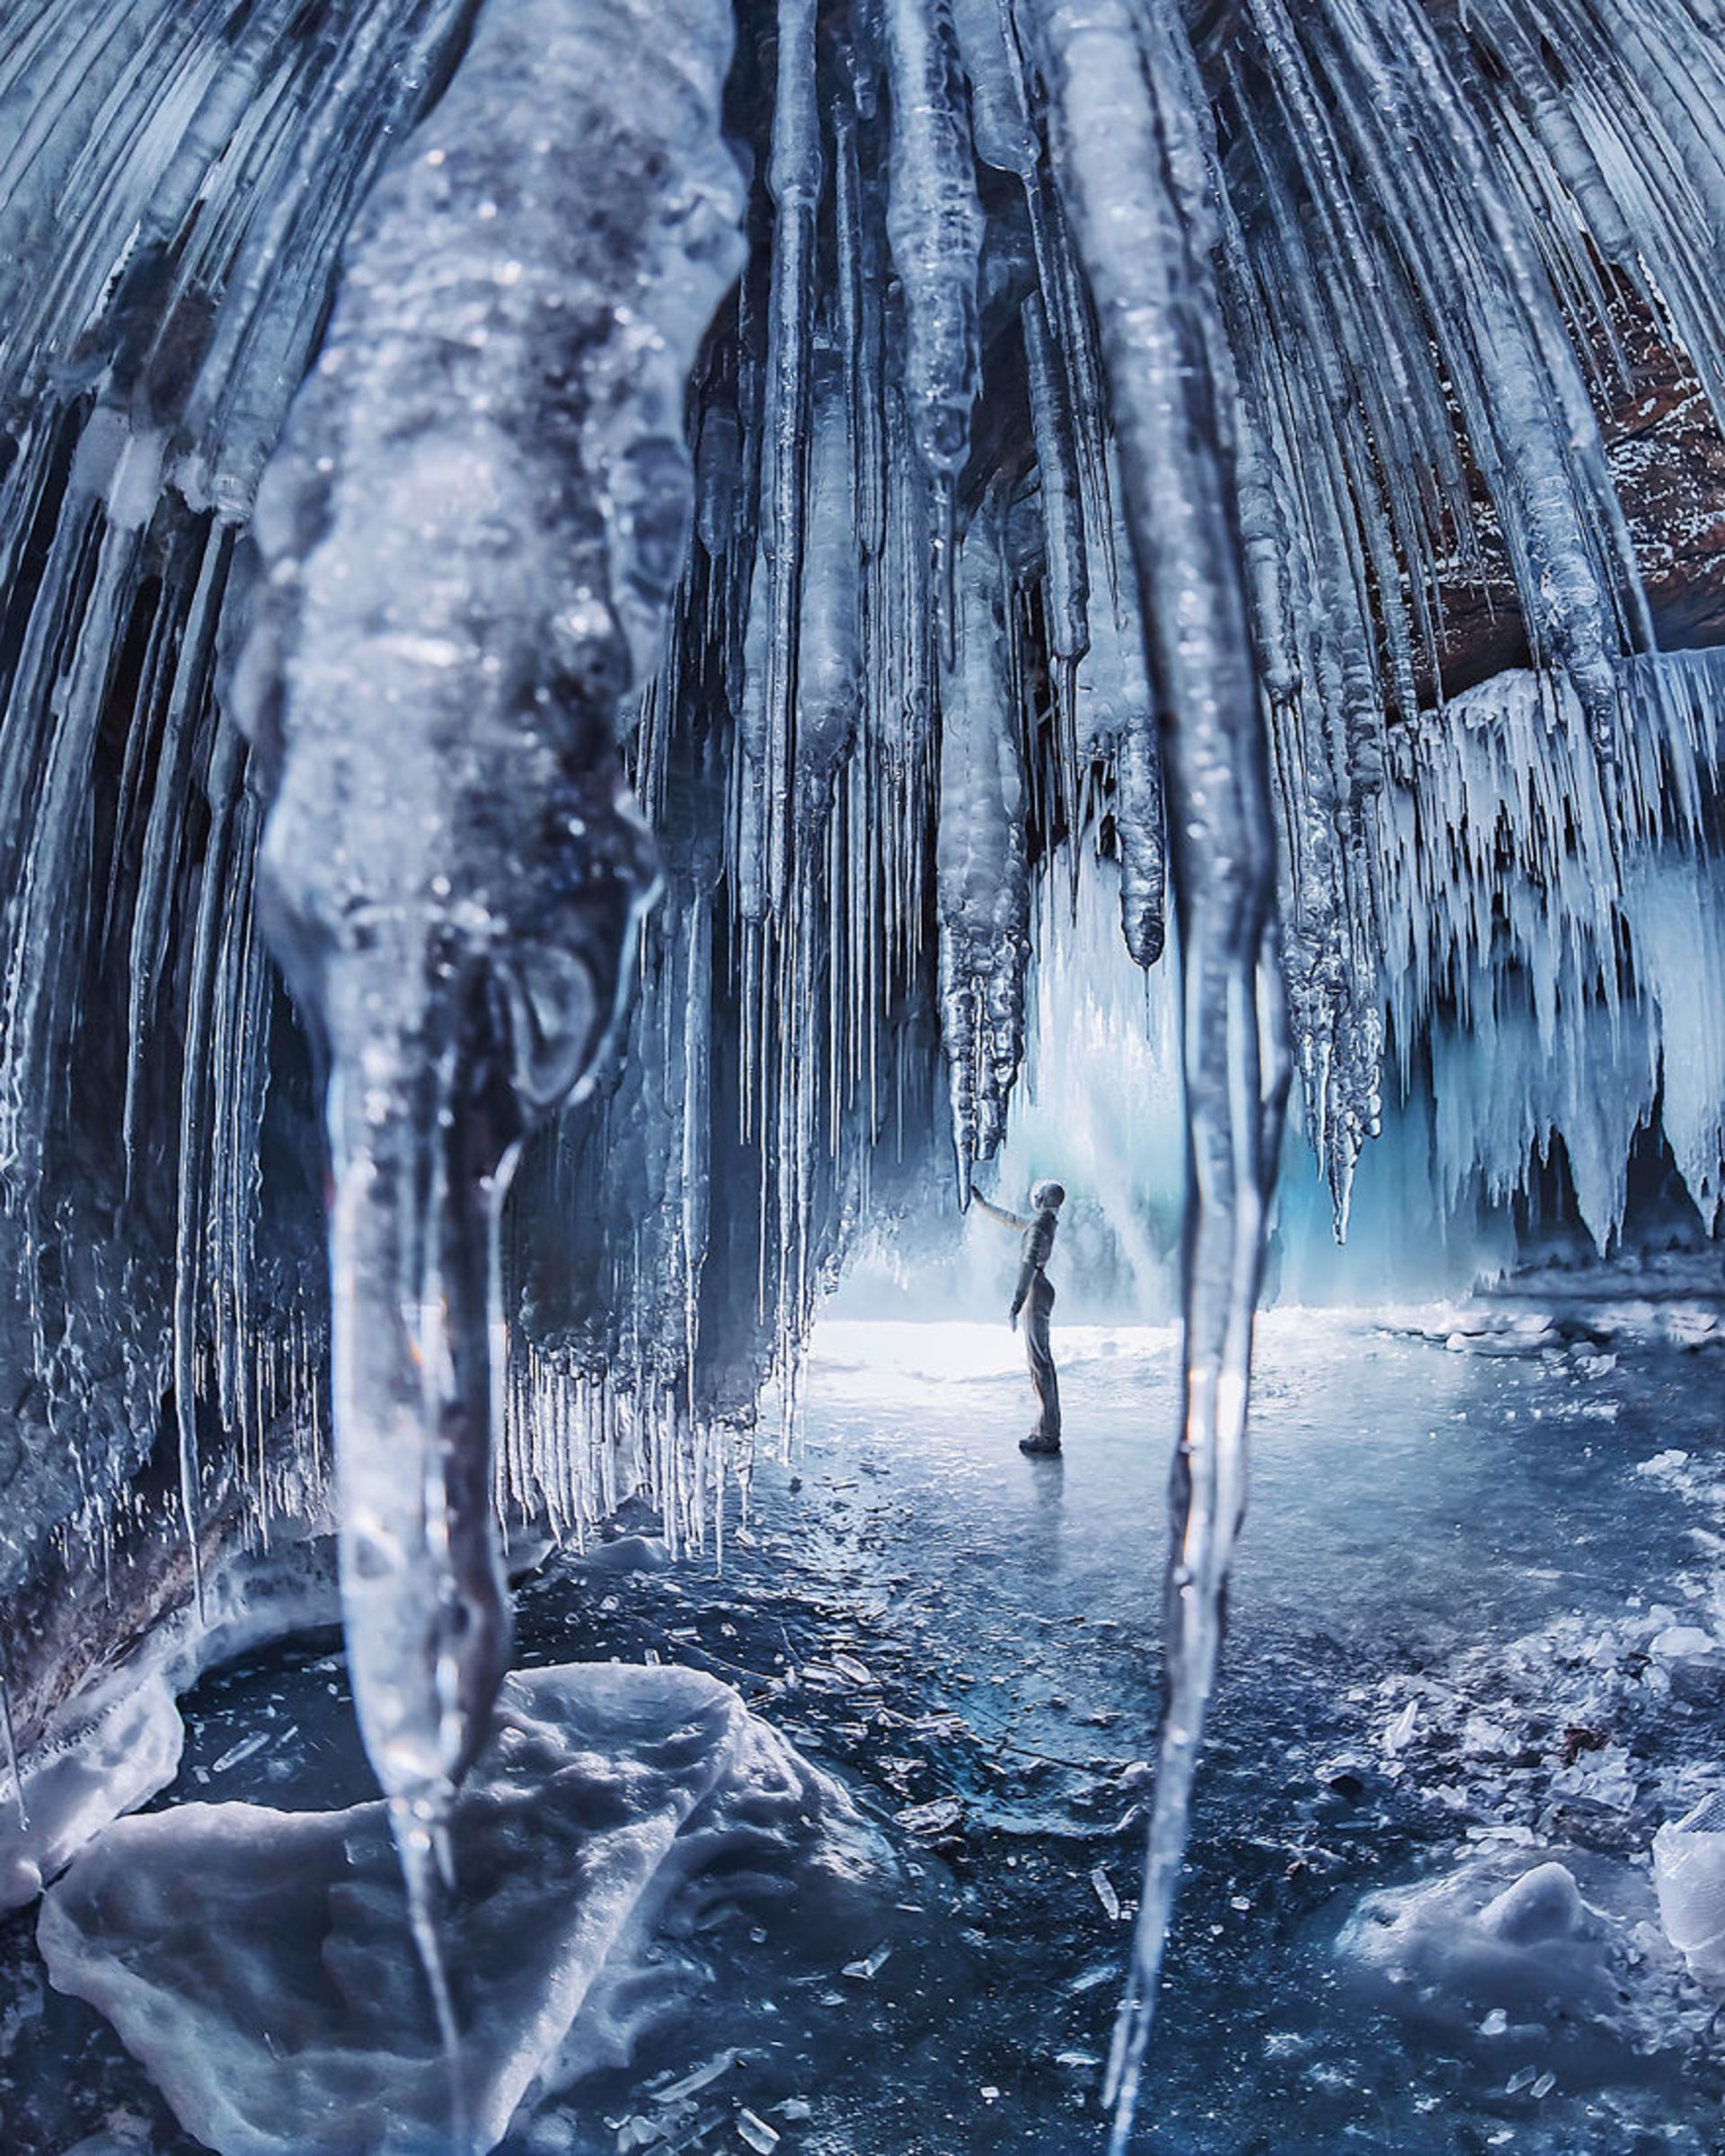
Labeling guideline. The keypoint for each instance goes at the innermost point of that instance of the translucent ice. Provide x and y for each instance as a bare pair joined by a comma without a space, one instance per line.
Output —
258,1962
468,533
1689,1873
1129,146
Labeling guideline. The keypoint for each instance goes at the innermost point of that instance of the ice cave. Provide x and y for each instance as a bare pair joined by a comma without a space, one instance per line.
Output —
791,792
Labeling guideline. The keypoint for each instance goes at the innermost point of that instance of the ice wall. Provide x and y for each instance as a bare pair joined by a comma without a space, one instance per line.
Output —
175,185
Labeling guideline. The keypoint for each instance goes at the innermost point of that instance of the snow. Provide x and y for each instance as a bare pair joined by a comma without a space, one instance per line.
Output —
1533,1942
258,1962
124,1747
1522,1959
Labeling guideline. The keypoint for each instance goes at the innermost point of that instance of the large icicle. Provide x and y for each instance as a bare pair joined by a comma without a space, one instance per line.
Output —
984,895
934,224
793,177
468,535
1128,153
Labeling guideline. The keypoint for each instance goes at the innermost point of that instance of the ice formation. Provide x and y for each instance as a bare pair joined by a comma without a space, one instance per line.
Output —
257,1960
474,515
1465,1945
119,1741
1689,1873
1541,1976
1268,446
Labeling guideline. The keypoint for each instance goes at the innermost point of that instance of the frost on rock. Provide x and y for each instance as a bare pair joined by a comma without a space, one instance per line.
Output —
259,1963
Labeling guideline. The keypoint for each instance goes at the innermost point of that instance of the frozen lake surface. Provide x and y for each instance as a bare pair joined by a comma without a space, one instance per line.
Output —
1472,1632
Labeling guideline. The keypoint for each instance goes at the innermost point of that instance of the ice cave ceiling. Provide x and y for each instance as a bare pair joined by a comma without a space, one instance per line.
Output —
906,443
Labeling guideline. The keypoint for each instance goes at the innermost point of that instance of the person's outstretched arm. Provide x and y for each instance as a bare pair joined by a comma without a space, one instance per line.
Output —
1015,1221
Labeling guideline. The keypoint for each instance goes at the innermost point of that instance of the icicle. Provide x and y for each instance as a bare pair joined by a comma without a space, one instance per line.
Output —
1069,575
1066,583
152,158
452,870
1138,818
1004,135
227,758
830,666
794,181
934,225
9,1736
1128,155
1523,398
984,897
420,1832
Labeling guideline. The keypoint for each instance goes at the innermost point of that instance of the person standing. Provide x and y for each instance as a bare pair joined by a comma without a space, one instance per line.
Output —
1034,1297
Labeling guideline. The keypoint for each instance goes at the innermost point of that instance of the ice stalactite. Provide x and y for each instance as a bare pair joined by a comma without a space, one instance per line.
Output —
794,181
1420,421
467,536
1129,145
983,891
1066,578
934,225
1528,898
1115,722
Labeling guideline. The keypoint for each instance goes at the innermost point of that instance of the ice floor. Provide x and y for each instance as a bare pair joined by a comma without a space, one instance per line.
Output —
1472,1632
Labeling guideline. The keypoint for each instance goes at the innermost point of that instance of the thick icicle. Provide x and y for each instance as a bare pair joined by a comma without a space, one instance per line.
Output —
1115,722
999,124
793,178
983,896
1066,584
1128,154
469,533
934,225
174,185
1063,518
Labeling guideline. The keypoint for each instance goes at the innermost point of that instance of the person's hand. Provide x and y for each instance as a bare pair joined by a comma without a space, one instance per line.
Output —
1013,1314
